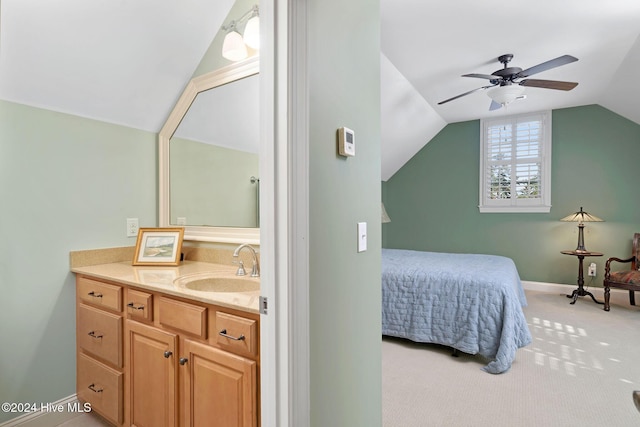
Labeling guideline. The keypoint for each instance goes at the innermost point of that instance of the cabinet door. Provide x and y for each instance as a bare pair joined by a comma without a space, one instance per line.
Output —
151,357
220,387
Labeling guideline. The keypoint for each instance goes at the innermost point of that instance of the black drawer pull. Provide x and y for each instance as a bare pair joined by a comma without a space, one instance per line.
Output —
93,388
224,334
92,334
135,307
94,294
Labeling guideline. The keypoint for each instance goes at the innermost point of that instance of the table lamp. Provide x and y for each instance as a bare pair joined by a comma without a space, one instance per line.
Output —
581,217
385,216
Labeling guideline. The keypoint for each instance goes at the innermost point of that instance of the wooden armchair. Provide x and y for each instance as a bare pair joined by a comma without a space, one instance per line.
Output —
627,279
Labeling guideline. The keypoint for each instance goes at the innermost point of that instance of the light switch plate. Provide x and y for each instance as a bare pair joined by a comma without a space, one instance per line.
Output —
362,236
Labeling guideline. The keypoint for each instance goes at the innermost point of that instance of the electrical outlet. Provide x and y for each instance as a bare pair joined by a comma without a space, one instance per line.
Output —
182,221
592,269
132,227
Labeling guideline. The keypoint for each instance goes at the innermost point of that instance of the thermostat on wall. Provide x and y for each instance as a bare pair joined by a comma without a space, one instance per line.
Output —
346,142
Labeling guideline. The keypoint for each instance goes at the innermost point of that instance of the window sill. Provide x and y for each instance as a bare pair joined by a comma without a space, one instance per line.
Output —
514,209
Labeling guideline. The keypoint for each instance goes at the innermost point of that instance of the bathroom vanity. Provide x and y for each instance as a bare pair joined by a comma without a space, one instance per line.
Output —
168,346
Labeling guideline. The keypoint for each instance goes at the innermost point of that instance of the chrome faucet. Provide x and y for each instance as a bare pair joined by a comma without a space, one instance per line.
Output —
255,270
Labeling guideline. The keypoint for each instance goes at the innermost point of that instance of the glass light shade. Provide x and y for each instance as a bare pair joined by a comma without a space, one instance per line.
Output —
233,47
252,32
505,94
581,216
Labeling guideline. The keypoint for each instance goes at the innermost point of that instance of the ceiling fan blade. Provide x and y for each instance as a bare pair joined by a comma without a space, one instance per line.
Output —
548,84
483,76
494,106
465,94
553,63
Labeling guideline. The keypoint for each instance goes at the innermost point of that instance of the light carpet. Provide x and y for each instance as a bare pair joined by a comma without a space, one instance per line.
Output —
580,370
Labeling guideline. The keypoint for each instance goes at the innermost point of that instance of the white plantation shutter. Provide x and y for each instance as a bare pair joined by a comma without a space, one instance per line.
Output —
515,163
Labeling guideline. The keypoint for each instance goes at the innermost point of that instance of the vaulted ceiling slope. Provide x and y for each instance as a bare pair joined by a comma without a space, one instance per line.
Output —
432,46
127,62
123,62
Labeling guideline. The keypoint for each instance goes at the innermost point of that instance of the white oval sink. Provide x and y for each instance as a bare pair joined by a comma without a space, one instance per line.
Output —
212,283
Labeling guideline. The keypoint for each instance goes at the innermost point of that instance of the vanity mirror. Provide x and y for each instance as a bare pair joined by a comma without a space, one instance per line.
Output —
208,157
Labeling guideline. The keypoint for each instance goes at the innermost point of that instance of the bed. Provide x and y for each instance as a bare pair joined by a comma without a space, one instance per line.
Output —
469,302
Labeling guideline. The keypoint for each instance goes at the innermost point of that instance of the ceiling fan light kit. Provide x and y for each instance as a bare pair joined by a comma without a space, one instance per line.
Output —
506,94
506,85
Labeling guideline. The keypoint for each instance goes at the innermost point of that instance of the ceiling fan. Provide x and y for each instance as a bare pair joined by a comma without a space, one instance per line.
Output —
506,85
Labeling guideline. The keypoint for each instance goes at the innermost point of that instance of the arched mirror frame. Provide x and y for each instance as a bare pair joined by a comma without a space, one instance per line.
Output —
199,84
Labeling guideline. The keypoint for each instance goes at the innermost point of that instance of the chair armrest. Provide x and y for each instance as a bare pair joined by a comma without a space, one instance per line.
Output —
607,266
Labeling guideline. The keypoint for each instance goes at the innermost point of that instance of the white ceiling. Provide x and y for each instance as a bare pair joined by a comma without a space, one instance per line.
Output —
126,62
227,116
119,61
431,44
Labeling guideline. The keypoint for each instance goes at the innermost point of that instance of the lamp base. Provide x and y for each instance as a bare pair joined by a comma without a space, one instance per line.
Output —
581,247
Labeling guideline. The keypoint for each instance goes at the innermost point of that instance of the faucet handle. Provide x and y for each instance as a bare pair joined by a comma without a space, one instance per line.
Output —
241,271
255,270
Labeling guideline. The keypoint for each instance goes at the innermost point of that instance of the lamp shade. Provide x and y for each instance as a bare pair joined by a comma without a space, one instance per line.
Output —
505,94
385,216
252,32
233,47
581,216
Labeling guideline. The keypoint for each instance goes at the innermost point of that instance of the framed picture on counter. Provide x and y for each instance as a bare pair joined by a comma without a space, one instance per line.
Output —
159,246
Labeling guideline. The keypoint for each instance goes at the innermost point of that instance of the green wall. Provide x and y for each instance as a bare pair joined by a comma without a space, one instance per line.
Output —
66,183
344,295
202,175
433,199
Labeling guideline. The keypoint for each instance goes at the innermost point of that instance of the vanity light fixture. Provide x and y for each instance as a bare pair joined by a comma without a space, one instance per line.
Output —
234,46
252,29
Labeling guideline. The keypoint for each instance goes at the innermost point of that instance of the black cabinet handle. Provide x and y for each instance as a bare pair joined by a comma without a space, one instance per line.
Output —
93,388
224,334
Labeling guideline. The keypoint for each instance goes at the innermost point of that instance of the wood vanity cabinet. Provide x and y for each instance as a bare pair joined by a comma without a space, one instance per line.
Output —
99,333
165,361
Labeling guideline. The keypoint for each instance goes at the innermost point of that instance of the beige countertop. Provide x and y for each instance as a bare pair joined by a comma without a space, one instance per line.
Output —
161,279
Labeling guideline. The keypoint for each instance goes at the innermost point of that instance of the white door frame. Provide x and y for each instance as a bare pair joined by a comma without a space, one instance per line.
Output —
284,249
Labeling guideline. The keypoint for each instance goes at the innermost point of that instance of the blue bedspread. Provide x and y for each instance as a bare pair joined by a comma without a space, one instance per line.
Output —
470,302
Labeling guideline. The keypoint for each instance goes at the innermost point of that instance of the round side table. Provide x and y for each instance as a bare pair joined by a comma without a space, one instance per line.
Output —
580,292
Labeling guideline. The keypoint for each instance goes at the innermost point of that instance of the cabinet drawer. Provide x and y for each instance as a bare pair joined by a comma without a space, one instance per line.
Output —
101,386
236,334
180,315
139,305
100,333
99,293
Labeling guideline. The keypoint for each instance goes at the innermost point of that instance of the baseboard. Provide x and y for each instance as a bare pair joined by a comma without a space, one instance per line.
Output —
560,288
65,410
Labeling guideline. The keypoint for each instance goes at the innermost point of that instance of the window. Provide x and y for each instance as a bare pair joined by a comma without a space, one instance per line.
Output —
515,163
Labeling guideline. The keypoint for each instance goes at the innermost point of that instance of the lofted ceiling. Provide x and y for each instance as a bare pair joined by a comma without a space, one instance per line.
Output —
119,61
430,46
126,62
